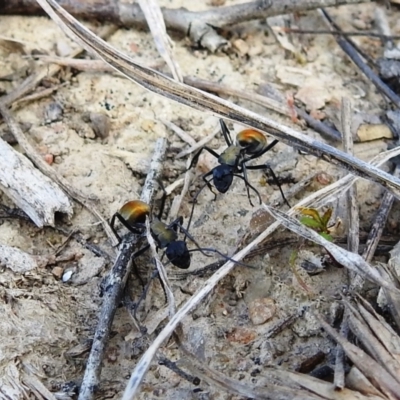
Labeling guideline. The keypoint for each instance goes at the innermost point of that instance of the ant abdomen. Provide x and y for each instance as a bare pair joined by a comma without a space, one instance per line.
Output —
135,212
251,140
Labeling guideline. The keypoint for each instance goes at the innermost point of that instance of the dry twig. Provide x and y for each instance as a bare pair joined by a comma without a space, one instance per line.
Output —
114,283
201,26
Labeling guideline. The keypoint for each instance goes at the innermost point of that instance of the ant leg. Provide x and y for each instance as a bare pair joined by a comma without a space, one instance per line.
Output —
250,186
131,228
196,156
144,293
226,133
197,195
112,226
259,154
204,249
274,177
247,184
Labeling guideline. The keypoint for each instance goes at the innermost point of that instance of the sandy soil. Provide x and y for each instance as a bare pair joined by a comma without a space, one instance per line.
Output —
49,321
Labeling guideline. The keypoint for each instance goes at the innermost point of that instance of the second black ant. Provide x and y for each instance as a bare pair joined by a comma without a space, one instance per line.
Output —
250,144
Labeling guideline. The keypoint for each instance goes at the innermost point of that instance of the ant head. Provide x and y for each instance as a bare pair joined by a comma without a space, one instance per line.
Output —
223,177
251,141
135,212
178,253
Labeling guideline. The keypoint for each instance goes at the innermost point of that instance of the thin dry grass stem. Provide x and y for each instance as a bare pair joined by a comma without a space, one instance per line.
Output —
354,54
375,233
174,185
155,20
201,143
38,95
161,271
221,382
115,282
383,331
179,132
176,204
353,239
200,100
390,272
371,342
217,88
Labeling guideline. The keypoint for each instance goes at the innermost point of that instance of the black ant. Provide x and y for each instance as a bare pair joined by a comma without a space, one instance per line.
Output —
250,144
133,216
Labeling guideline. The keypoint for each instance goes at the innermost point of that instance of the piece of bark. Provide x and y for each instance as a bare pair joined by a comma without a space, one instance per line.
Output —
29,189
19,261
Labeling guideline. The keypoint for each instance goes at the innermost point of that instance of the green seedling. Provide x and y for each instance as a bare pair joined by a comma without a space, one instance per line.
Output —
312,219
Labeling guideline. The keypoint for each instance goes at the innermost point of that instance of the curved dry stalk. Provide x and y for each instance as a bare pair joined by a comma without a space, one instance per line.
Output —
160,84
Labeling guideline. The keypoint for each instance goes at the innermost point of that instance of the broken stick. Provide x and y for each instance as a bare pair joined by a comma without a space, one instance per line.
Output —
114,283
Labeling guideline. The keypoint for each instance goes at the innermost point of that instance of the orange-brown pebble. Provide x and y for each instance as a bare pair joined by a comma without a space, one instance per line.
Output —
135,211
241,335
261,310
49,158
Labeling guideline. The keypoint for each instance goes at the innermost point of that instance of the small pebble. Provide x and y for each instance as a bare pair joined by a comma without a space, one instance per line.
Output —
49,158
53,112
67,275
261,310
57,272
100,124
241,46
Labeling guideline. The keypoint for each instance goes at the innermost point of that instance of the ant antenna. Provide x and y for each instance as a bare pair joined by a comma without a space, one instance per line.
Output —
226,132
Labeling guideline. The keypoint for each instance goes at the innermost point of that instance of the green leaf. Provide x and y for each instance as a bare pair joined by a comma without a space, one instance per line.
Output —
327,236
310,222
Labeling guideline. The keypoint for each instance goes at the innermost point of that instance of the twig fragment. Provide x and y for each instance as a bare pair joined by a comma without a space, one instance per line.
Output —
49,171
201,27
354,55
29,189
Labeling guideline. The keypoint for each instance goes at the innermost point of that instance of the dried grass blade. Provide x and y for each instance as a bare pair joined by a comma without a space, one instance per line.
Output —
375,348
155,20
382,330
222,382
367,365
160,84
